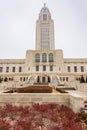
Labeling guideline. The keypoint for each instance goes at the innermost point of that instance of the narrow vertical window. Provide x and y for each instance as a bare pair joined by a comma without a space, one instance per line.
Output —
67,79
7,69
44,57
63,78
13,69
44,67
51,67
1,69
37,68
50,57
75,68
44,17
20,69
68,69
82,68
37,57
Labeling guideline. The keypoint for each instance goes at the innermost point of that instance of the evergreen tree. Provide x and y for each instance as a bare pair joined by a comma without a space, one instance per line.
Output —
0,80
82,80
86,79
6,79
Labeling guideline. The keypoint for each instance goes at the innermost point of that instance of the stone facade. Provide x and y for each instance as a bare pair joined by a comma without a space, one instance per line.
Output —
45,31
67,71
46,62
73,101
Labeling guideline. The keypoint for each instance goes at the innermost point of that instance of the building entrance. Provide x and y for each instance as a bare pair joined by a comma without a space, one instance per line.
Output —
43,79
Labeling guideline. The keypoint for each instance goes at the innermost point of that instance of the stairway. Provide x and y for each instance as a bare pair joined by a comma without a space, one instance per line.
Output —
55,81
31,80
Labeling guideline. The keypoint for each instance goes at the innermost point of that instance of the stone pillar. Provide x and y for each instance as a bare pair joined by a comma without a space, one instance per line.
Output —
76,102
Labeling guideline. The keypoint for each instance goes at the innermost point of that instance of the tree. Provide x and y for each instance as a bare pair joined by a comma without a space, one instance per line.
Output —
82,80
6,79
0,79
86,79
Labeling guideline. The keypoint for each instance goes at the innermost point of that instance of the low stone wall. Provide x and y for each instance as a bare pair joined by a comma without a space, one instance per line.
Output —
23,99
76,102
29,98
82,87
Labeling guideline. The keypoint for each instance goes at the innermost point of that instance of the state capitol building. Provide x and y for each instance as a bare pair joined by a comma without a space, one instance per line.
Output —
45,63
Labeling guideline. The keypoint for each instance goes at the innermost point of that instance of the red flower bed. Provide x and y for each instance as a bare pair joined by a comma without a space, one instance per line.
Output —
38,117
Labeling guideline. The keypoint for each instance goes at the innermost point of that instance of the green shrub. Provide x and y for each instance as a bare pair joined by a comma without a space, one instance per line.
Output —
82,80
83,116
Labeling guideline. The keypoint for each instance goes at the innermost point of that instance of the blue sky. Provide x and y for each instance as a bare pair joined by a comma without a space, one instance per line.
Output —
18,23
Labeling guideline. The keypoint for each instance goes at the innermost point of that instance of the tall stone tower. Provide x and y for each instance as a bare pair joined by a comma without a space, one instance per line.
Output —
45,31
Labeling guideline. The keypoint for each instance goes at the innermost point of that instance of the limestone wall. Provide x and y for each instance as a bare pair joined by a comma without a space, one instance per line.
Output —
76,102
29,98
82,87
73,101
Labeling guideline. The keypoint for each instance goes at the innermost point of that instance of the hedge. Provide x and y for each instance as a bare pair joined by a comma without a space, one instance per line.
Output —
35,89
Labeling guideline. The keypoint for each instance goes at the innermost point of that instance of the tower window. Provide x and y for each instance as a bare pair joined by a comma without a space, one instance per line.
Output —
44,57
37,57
24,79
44,17
44,38
50,57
